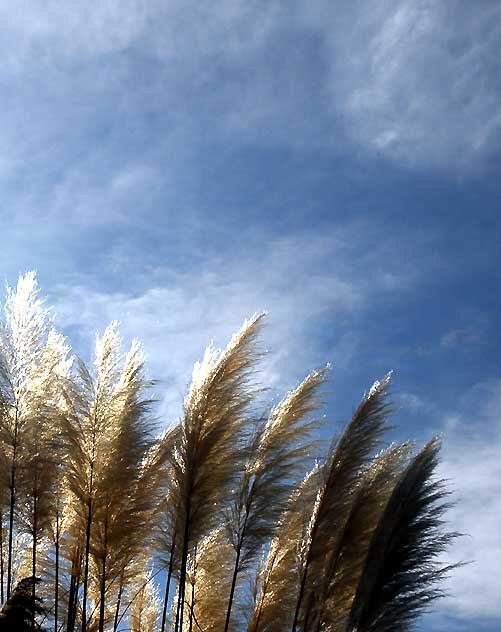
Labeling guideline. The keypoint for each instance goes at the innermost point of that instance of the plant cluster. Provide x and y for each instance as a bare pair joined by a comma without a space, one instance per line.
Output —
219,513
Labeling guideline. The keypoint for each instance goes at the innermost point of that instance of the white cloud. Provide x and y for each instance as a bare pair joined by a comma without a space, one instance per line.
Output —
178,313
471,449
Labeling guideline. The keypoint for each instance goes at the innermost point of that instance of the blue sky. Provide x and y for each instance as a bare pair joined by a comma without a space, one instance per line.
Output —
178,166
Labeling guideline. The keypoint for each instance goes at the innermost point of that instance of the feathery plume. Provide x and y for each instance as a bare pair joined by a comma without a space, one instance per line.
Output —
278,577
207,458
344,561
145,608
346,460
401,571
277,454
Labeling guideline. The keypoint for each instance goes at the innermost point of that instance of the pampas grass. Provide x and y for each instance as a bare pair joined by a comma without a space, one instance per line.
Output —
218,524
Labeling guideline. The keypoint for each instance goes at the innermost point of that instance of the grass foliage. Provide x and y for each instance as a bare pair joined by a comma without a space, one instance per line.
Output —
218,524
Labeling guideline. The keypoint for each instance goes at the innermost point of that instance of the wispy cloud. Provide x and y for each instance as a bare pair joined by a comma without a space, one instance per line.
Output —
462,338
173,30
416,82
